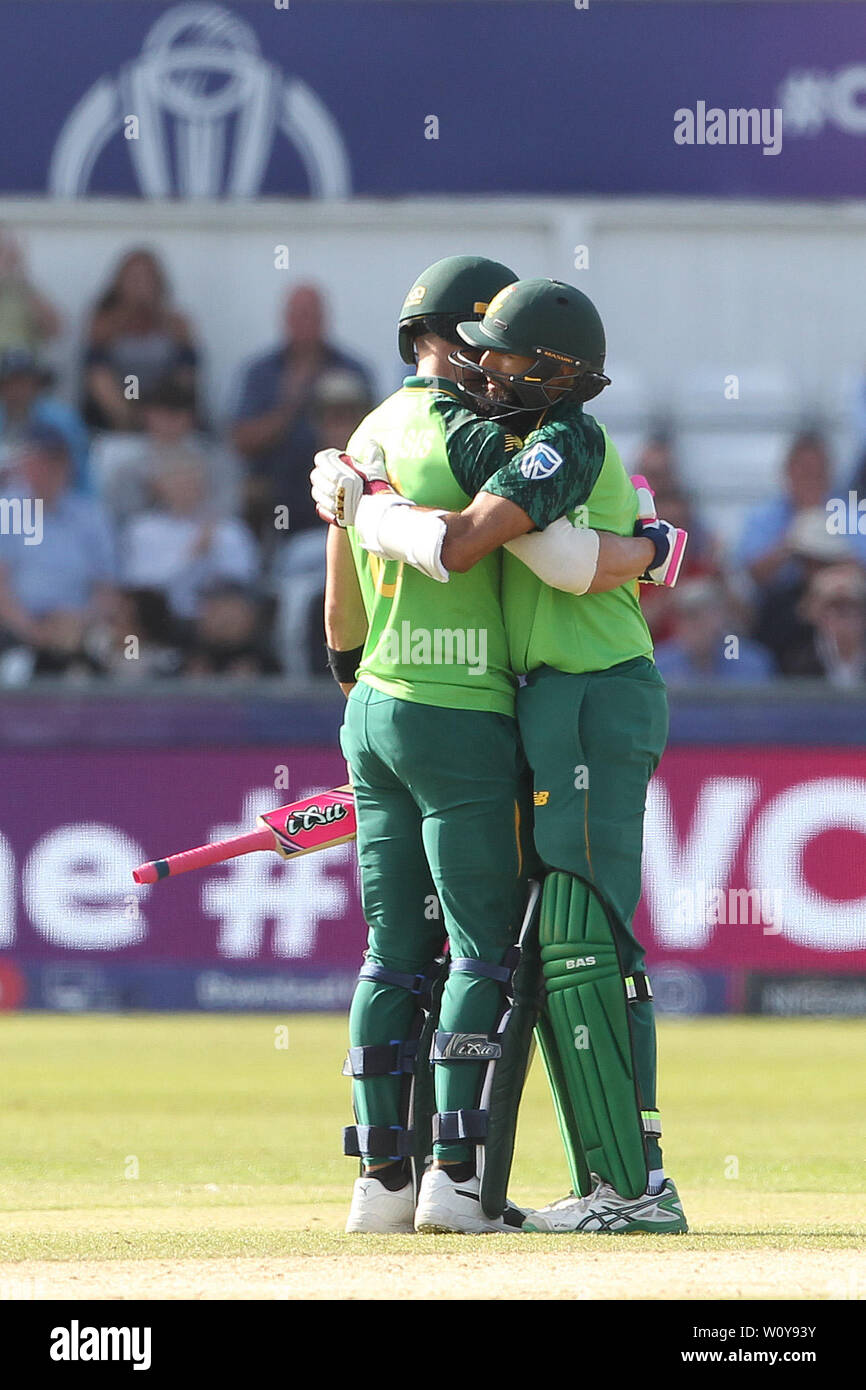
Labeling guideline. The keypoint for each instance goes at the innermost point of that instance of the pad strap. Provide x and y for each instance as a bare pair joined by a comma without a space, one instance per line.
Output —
383,1059
452,1126
651,1123
465,1047
638,988
466,966
378,1141
416,984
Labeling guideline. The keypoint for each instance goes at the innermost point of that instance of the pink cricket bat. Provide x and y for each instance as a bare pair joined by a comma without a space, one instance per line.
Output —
317,822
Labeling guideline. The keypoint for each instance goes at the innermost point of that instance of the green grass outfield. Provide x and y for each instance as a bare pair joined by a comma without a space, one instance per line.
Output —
196,1137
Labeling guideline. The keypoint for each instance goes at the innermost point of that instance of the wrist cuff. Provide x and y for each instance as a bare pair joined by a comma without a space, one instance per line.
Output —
660,539
343,665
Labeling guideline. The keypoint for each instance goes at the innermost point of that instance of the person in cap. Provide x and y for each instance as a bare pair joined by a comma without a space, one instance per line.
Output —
26,403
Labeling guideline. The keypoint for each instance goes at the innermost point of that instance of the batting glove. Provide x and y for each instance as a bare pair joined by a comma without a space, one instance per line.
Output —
669,541
338,482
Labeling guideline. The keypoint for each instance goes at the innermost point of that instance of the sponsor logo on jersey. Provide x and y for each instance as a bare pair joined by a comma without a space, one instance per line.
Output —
541,798
541,461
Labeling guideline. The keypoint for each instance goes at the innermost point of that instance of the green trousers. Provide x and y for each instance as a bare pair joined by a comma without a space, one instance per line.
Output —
444,833
593,741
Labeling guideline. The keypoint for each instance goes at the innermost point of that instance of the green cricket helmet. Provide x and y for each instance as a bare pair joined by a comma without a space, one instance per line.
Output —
456,289
554,324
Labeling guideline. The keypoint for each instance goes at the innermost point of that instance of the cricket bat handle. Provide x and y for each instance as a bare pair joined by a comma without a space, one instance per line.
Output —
646,508
203,856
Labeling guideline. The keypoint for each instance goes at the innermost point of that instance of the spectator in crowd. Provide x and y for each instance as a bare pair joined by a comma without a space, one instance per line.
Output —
229,635
765,547
657,463
273,429
779,623
57,575
136,639
704,648
834,644
180,547
25,403
135,333
27,319
702,558
168,414
340,403
298,566
858,486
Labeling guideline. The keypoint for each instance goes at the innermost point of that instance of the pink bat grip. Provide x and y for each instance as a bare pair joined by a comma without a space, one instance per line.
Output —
203,856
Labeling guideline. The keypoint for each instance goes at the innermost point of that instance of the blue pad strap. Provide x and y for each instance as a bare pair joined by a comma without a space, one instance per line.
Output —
378,1141
465,1047
466,966
383,1059
416,984
452,1126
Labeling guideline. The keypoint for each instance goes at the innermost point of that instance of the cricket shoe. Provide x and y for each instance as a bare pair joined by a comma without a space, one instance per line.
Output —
376,1211
605,1211
445,1206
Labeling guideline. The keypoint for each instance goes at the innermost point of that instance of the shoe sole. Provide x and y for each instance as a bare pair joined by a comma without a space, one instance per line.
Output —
636,1230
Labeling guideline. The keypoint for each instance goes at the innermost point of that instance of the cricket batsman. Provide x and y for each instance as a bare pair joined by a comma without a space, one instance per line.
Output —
592,714
436,766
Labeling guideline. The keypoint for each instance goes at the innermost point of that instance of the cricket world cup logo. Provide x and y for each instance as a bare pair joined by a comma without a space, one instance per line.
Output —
208,109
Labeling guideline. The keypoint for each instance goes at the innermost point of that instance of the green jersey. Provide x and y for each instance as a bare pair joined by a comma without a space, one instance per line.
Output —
435,644
569,467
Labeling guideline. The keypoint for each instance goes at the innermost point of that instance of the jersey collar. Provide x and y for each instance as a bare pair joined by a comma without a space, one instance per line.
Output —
432,383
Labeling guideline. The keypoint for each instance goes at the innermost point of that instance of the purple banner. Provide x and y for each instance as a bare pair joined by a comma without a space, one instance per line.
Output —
248,99
76,823
754,866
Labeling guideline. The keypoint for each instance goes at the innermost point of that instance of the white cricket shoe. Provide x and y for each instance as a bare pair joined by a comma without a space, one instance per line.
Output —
605,1211
445,1206
376,1211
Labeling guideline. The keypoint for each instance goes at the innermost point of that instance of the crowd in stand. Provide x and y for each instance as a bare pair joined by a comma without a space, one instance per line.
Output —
788,600
168,547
